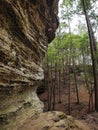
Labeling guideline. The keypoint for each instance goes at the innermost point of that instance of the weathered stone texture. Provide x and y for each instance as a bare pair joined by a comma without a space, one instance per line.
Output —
53,121
26,27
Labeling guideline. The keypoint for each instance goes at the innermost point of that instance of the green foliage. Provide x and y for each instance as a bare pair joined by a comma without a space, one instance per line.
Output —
67,46
72,7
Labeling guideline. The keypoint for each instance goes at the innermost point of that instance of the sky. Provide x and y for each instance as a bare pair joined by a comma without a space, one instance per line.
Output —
77,19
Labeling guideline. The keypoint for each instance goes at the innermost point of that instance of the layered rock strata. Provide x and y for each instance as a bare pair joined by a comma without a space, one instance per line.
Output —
26,28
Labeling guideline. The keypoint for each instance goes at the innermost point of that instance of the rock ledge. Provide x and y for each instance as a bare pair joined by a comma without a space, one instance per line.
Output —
53,121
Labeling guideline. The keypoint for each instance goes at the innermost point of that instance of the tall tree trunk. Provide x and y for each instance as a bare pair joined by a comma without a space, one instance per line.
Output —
63,72
69,64
59,70
75,78
93,52
86,79
59,83
51,85
48,85
48,101
90,103
85,72
69,91
54,86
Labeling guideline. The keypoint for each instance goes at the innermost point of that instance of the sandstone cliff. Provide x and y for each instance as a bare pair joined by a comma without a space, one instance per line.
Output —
26,28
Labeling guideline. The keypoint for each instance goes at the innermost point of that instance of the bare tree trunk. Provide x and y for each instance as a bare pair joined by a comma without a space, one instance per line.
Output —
69,92
69,84
93,52
54,87
59,84
51,85
63,72
59,71
48,90
75,78
90,104
69,64
85,72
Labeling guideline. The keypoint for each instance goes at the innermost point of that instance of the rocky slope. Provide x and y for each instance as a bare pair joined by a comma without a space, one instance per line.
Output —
26,27
52,121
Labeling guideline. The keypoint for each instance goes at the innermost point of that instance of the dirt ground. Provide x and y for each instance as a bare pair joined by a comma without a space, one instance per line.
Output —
79,111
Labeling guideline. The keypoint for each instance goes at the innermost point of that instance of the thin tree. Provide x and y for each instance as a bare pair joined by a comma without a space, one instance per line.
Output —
93,52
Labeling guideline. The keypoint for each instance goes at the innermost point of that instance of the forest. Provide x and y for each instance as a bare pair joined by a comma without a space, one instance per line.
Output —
71,63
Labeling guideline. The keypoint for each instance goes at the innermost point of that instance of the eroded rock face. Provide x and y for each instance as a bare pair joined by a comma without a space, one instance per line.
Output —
26,27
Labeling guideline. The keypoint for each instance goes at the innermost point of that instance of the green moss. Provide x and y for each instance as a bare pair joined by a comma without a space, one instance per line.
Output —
62,116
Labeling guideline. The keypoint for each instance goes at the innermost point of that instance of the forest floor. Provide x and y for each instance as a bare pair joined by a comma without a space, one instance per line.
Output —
79,111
